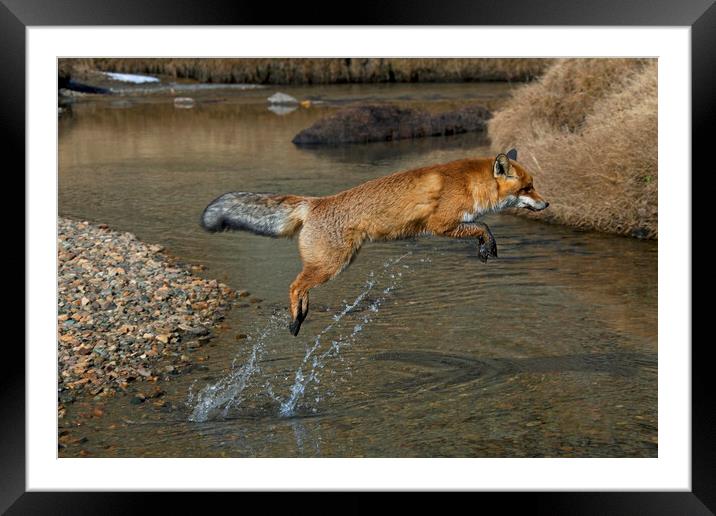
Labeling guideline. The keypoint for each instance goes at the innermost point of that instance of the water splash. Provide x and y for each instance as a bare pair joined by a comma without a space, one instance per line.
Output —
301,380
226,393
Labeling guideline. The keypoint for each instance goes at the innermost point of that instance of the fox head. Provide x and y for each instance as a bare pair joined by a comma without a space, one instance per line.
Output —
514,184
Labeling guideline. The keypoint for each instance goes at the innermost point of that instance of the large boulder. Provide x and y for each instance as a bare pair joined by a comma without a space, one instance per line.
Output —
385,122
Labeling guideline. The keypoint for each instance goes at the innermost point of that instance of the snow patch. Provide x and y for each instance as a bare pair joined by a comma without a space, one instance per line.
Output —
130,77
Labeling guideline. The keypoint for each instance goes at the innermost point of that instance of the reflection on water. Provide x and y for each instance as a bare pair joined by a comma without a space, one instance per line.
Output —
417,349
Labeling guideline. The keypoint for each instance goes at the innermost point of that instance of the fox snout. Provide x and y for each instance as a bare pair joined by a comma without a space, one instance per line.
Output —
537,206
532,204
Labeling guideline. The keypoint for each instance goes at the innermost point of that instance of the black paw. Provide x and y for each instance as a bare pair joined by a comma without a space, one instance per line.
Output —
487,248
295,326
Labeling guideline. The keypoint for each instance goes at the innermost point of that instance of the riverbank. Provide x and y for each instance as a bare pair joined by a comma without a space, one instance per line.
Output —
317,70
127,312
588,130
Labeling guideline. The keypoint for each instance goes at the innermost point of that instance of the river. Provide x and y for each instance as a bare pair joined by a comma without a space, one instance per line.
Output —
416,350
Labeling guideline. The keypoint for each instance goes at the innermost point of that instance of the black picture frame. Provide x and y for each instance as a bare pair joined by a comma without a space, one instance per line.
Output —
700,15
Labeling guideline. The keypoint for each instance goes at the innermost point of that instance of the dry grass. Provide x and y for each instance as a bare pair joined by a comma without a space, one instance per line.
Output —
319,71
588,131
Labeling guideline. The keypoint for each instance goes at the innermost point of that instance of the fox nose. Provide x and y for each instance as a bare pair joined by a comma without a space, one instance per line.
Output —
546,204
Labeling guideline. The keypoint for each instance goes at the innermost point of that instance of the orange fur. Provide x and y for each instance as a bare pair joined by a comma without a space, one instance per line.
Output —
431,200
442,200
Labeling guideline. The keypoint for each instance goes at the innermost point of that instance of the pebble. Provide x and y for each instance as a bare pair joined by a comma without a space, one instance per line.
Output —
125,308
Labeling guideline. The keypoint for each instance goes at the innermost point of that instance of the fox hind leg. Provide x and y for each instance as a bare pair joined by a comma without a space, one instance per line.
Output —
311,276
323,258
298,295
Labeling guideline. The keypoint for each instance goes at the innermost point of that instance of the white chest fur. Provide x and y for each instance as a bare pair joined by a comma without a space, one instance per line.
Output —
478,210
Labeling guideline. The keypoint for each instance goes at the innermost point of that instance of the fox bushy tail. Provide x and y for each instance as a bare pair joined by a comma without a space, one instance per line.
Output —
260,213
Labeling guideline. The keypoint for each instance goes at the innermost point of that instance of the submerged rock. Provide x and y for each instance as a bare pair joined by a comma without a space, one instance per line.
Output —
282,99
373,123
184,102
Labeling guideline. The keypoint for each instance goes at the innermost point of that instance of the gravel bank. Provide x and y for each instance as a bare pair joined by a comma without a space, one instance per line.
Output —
127,312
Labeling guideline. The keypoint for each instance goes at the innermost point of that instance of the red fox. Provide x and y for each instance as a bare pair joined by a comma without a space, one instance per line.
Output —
441,200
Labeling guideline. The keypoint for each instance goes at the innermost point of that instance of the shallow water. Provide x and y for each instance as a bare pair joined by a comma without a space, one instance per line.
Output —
417,349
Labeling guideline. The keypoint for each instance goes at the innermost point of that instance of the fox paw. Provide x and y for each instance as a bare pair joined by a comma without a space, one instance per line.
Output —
487,248
295,326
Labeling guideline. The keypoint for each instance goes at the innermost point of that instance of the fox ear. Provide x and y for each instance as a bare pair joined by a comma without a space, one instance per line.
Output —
501,166
512,154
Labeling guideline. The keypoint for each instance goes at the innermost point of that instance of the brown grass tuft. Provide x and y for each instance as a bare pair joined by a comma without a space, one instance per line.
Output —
588,131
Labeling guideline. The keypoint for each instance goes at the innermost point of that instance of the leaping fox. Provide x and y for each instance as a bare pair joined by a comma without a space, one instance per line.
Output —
441,200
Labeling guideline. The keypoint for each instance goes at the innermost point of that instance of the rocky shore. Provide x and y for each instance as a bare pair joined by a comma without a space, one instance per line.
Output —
127,312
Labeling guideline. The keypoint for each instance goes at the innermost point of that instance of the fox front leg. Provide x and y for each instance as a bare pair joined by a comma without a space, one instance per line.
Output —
487,245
